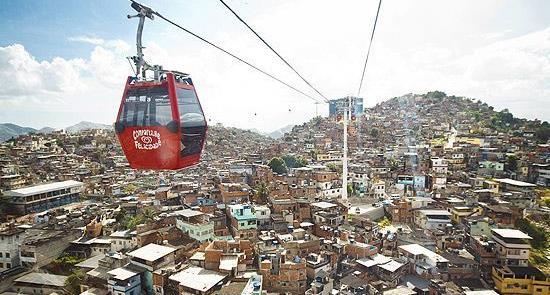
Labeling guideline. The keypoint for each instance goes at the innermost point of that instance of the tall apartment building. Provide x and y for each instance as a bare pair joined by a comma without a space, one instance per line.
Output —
512,247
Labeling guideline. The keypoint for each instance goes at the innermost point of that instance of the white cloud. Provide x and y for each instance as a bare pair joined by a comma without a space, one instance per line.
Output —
22,75
87,39
417,49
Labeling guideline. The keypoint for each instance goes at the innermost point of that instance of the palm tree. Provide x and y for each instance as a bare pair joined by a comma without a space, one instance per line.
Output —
262,192
148,215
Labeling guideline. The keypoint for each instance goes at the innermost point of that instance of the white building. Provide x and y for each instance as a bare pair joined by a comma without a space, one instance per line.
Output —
439,165
423,261
512,246
379,189
432,219
195,223
123,240
10,241
263,217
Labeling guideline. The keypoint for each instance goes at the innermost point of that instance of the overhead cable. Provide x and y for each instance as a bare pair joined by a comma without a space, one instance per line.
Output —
229,53
368,51
273,50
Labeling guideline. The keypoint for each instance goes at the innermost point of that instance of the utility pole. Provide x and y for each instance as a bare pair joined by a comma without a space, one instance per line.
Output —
345,157
316,110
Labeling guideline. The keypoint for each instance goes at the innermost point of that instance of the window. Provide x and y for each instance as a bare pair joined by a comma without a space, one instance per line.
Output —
7,254
146,107
1,255
8,265
1,265
193,124
191,114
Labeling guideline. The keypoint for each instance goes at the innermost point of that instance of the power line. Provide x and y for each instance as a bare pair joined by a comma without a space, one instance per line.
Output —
368,51
273,50
232,55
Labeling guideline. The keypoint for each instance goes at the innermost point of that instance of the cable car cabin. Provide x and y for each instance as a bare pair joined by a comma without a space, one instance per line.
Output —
160,124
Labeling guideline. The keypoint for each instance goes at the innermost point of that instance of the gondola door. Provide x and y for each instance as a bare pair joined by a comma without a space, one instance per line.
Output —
192,122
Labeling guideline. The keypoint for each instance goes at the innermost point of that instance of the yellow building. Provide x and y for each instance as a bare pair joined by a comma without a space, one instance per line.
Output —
460,212
520,280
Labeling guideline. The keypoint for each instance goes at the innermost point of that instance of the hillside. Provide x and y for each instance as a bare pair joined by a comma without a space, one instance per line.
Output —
479,117
85,125
8,130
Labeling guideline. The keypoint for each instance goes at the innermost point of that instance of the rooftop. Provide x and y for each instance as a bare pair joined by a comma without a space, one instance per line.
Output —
151,252
122,273
323,205
511,233
416,249
435,212
188,213
198,278
515,182
92,262
42,279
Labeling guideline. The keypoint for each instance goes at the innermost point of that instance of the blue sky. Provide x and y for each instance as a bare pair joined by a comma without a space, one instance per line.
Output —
65,60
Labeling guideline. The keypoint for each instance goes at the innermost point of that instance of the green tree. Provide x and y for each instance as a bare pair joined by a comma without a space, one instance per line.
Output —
130,189
292,161
374,132
542,134
278,165
384,222
148,215
538,234
436,94
350,189
73,282
332,167
131,222
512,163
262,192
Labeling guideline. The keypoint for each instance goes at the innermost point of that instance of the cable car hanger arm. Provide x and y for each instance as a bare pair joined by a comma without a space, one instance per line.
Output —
144,11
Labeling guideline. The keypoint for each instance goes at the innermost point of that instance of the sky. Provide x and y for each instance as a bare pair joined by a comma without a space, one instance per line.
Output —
64,61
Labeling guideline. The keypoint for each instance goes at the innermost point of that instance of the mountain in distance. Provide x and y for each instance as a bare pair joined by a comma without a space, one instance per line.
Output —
85,125
8,130
45,130
280,132
273,134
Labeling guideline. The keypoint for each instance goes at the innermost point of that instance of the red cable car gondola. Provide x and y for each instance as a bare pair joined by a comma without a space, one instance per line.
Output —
160,123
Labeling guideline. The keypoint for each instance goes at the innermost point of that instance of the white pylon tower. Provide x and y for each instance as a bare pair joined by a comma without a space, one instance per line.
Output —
345,157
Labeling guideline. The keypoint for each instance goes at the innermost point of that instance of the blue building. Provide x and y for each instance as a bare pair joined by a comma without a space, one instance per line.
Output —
336,106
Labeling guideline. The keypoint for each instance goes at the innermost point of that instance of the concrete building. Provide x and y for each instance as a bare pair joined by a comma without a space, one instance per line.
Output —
39,283
243,221
263,217
124,281
43,197
512,247
520,280
123,240
424,261
197,280
432,219
195,223
10,243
